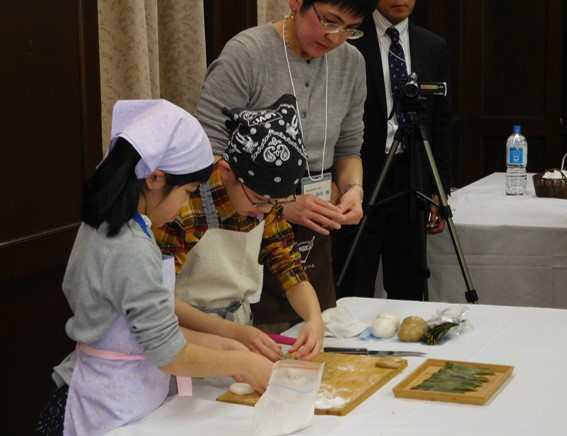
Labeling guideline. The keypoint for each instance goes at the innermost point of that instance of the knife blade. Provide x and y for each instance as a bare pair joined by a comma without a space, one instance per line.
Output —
367,352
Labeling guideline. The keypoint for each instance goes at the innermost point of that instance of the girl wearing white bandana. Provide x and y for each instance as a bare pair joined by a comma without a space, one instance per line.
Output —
120,290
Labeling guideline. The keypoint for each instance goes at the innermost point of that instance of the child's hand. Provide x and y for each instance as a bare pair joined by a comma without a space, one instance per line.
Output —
309,342
258,342
259,370
231,345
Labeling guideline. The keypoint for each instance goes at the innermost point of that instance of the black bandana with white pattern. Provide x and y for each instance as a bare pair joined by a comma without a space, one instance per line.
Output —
265,147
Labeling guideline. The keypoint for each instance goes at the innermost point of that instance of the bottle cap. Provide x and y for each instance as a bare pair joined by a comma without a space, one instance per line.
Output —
517,129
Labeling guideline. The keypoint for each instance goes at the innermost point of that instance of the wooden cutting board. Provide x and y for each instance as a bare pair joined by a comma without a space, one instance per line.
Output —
347,381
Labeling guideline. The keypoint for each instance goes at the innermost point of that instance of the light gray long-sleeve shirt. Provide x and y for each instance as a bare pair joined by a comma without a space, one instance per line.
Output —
252,72
109,277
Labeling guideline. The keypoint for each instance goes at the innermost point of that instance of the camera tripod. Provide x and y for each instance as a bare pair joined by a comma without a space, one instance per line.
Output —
414,113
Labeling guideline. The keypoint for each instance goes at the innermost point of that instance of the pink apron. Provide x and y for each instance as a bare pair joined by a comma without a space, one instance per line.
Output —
112,384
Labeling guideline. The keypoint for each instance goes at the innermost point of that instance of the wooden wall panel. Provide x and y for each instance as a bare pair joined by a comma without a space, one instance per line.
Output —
33,314
225,19
513,68
51,130
51,136
512,53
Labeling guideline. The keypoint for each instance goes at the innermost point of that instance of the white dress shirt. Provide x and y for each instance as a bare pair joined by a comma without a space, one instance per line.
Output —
384,43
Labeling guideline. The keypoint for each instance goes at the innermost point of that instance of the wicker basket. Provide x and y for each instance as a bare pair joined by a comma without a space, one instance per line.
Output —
556,188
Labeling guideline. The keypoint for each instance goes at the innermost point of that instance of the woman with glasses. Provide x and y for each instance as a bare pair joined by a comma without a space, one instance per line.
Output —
234,225
303,54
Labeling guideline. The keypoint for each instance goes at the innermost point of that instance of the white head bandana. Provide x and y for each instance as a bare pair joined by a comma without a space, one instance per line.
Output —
167,137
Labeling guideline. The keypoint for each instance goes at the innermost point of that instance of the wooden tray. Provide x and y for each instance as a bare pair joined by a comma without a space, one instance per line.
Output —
430,366
347,381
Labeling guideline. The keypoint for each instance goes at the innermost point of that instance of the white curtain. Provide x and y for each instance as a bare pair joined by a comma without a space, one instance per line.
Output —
150,49
272,10
156,49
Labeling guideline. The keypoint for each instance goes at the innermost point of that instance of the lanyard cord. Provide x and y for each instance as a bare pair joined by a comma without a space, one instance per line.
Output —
284,39
140,220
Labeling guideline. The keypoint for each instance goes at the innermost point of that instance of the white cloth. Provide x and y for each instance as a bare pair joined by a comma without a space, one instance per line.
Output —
515,247
531,402
167,137
341,323
555,174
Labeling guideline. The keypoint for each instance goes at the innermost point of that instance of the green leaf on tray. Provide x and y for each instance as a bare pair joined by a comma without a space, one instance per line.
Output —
455,378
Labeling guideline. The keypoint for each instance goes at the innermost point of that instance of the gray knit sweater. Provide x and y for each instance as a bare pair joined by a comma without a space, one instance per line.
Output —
252,72
110,277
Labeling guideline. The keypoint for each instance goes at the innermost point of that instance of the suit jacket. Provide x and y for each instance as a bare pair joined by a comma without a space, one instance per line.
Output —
430,60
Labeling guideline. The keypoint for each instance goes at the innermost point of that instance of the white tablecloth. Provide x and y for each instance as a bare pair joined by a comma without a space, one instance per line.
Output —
515,247
532,402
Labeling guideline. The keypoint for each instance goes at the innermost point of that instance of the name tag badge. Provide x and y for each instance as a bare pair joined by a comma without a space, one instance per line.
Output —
320,188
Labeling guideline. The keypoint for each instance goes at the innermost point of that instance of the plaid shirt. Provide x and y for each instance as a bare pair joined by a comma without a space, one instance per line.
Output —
278,251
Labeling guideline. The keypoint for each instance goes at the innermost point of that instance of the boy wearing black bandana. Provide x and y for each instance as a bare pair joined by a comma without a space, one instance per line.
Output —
234,225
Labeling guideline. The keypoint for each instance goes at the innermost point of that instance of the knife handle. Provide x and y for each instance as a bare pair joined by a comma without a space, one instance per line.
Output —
344,350
286,340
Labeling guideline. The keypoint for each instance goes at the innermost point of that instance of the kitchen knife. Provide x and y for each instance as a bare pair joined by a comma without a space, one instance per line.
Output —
367,352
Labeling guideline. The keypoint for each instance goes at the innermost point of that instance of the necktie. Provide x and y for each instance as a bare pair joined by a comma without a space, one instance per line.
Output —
398,72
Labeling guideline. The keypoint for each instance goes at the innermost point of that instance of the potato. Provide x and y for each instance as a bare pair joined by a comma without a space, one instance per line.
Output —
412,329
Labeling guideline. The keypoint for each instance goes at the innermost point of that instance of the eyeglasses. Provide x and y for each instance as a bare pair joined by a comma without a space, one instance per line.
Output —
267,202
350,32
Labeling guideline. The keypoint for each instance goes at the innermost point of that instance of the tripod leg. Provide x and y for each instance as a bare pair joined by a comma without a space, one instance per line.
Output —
371,202
417,214
471,294
423,255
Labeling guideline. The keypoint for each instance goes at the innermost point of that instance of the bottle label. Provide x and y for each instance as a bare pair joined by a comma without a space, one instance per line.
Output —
516,157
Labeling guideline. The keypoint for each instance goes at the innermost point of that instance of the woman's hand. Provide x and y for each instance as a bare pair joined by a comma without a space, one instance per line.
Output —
314,213
351,205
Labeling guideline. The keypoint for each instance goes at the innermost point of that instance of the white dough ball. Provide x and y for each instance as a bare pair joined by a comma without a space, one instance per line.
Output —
241,389
385,325
389,315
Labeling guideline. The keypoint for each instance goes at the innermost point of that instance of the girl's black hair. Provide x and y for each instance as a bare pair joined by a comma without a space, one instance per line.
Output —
112,194
360,8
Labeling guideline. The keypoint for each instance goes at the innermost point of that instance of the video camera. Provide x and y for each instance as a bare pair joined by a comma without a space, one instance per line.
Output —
412,88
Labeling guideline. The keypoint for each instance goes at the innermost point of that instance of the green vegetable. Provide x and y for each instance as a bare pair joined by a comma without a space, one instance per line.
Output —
455,378
468,369
437,332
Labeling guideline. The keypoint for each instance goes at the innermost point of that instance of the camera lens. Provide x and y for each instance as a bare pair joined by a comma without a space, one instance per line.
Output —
411,89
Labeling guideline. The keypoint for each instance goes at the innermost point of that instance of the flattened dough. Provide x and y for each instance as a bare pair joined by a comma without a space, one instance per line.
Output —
389,362
241,389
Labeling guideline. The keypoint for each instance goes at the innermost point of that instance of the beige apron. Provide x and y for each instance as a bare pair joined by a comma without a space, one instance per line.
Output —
222,275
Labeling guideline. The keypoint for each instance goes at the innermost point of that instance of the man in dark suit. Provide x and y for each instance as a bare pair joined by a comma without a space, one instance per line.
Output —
393,232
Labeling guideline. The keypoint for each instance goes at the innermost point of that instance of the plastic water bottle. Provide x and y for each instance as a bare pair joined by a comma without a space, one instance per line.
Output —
516,162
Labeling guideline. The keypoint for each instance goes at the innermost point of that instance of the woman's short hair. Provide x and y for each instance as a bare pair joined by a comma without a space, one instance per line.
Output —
360,8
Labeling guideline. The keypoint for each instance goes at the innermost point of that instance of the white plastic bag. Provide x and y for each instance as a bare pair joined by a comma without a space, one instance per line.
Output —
288,405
